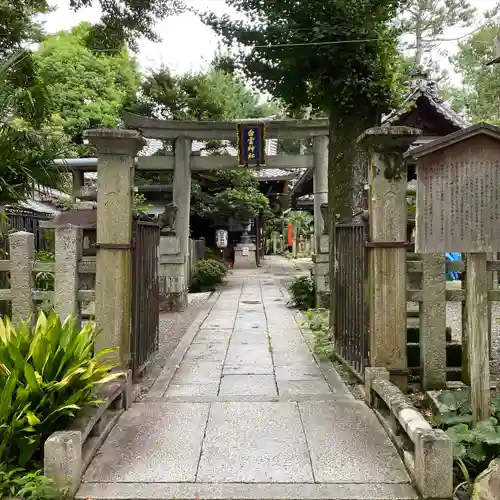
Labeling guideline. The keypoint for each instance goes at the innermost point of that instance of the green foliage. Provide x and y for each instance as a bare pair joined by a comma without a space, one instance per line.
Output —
475,446
306,70
301,222
141,204
121,20
478,97
44,280
29,141
209,273
27,485
47,373
317,320
303,291
210,95
85,90
240,204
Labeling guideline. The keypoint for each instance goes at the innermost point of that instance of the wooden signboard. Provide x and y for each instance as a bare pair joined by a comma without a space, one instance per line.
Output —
251,144
458,210
458,199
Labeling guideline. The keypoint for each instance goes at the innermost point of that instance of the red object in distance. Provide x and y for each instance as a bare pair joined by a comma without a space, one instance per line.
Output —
290,235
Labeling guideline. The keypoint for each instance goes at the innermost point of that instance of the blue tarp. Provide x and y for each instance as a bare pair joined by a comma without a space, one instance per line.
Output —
453,256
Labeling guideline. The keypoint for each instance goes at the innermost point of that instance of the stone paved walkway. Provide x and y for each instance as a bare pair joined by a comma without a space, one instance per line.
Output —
242,411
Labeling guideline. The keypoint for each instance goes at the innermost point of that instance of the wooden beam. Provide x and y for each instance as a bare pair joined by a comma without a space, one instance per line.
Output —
208,130
225,162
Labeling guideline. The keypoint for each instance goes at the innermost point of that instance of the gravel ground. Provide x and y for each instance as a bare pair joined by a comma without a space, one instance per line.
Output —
173,326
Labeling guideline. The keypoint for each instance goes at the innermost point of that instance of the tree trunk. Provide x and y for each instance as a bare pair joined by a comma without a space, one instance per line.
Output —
347,175
419,52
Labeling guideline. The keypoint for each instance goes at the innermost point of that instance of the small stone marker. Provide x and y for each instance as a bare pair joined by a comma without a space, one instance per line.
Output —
458,210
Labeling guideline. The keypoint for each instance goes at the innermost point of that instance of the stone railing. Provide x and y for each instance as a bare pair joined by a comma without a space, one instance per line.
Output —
426,452
68,453
68,270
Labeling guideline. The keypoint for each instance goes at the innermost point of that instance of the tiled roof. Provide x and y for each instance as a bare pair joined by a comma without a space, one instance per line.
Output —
426,89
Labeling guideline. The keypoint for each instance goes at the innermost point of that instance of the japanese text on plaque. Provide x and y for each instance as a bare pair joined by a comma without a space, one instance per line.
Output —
251,144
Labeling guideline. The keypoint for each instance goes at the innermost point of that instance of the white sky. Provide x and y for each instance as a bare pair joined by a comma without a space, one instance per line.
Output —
187,44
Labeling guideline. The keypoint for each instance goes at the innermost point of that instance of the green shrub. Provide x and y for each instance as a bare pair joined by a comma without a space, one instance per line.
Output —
47,373
27,485
207,275
44,281
317,320
473,447
303,293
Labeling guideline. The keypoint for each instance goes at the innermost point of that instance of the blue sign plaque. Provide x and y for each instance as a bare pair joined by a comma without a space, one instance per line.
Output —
251,144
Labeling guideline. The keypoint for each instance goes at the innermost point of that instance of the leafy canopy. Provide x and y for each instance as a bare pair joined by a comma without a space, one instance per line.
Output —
478,97
86,90
121,20
296,51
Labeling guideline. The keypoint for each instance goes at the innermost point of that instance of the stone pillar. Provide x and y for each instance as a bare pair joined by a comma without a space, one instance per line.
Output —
320,185
68,243
172,274
63,460
321,256
22,255
182,198
387,179
116,151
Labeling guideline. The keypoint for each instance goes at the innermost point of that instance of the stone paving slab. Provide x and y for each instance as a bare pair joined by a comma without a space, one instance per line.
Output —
290,387
348,445
264,385
238,491
212,336
152,442
254,442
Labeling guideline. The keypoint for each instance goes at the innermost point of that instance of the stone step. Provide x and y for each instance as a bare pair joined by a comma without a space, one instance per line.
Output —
246,491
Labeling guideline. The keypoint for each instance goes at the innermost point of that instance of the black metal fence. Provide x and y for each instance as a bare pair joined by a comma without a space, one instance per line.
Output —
351,332
20,220
145,294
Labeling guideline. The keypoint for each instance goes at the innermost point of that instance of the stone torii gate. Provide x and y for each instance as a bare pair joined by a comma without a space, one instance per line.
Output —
117,159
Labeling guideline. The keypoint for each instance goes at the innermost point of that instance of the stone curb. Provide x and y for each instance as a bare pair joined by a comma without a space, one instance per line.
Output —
431,462
68,453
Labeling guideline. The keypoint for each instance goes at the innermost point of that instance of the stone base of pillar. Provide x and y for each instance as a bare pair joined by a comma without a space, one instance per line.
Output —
321,271
173,285
244,256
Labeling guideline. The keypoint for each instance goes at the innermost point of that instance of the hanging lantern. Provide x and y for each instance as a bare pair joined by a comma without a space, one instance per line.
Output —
221,238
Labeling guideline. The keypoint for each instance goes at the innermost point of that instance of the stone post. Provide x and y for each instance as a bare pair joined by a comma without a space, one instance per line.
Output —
433,322
116,151
321,256
387,260
320,185
68,243
22,254
172,273
63,461
182,198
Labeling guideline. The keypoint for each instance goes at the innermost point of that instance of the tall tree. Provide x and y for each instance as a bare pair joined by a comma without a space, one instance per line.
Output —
479,95
337,56
211,95
28,141
426,21
85,89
